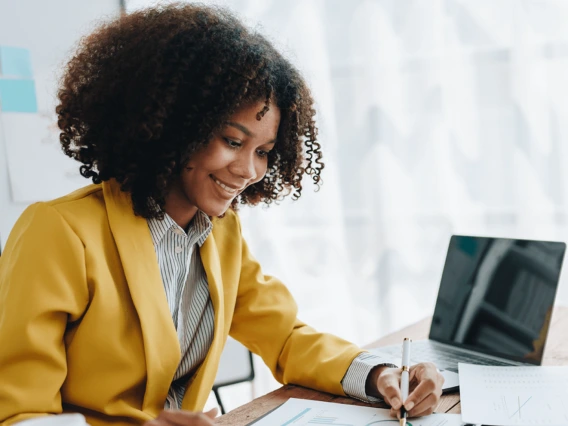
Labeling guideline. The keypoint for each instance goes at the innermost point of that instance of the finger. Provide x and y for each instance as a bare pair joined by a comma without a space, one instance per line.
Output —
395,413
212,413
418,371
429,382
426,406
173,417
169,417
389,387
424,389
204,419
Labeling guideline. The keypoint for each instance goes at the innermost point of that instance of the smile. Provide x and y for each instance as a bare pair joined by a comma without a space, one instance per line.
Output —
227,189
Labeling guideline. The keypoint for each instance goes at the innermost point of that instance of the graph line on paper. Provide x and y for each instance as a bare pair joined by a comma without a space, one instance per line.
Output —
299,412
296,417
325,417
327,420
520,406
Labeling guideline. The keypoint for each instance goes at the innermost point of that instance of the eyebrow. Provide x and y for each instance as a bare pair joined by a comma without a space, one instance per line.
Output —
241,128
246,131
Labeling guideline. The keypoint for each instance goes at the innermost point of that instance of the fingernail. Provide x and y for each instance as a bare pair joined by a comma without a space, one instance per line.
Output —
409,406
395,403
212,413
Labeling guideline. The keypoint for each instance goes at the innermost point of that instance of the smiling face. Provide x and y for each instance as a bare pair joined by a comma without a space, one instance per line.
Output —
235,158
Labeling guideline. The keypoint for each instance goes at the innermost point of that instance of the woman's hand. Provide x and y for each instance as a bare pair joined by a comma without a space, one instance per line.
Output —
425,388
183,418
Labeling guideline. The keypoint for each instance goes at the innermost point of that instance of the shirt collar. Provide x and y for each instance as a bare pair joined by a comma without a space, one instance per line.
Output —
199,228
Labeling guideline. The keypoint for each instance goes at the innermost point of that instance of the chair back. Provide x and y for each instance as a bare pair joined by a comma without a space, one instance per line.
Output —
236,365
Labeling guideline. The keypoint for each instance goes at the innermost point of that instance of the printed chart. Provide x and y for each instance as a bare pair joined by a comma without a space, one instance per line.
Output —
514,395
301,412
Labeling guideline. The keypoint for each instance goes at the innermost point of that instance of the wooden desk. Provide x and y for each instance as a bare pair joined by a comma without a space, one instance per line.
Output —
556,353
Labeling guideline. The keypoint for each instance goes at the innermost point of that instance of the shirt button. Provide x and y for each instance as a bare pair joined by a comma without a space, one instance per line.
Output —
178,250
179,232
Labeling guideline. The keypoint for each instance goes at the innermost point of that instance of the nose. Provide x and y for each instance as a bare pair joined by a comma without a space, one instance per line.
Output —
244,166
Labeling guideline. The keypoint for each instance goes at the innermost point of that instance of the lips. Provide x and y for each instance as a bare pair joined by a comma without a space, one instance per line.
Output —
230,189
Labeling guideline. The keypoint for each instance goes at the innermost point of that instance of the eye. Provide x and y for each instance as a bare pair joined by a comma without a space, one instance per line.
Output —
262,153
232,144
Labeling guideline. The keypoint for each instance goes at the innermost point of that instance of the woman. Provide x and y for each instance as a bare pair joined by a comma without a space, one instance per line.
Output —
117,299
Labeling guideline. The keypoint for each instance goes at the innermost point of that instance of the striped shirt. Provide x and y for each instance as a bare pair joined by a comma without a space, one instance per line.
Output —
187,292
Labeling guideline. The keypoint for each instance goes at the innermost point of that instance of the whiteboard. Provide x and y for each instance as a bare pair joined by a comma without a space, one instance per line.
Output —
32,165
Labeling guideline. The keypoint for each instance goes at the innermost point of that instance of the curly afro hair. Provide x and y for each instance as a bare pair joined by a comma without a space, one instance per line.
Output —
145,91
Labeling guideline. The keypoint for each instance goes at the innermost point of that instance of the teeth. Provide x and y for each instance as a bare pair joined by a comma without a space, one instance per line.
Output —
225,187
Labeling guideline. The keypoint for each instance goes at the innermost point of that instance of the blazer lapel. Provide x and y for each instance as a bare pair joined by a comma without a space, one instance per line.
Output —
138,258
200,386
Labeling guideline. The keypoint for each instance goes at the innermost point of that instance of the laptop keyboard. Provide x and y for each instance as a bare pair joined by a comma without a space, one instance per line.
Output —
445,358
448,358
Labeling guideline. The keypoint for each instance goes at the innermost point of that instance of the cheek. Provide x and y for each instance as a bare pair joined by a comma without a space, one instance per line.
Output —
261,168
215,157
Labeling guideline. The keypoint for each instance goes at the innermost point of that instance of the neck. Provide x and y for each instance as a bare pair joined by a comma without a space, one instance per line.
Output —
179,208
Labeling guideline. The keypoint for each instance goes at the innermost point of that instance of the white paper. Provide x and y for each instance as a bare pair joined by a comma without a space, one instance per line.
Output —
514,395
37,167
302,412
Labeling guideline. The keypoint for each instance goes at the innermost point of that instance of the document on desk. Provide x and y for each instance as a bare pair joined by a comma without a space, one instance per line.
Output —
514,395
303,412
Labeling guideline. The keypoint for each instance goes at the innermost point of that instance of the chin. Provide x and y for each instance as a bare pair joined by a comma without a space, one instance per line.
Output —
214,211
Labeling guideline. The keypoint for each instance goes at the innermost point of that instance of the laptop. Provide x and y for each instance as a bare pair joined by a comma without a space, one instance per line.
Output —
494,305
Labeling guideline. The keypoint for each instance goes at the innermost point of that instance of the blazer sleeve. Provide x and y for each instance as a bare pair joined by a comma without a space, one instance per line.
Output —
43,291
265,322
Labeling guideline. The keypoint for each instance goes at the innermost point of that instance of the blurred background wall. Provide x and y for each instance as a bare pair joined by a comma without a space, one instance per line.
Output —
436,117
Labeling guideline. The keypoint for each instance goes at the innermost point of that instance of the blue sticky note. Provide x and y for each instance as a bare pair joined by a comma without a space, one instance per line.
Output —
17,95
15,62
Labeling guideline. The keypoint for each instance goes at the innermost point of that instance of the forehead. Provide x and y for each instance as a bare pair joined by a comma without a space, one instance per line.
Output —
246,117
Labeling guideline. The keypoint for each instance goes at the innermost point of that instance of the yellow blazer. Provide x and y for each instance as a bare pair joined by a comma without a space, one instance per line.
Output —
85,326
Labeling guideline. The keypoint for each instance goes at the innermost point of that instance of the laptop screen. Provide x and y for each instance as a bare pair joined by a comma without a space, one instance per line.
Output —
496,296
